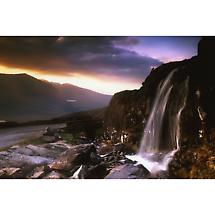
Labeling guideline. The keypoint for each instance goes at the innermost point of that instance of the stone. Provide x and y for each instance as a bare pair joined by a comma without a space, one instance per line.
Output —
54,175
8,172
119,147
76,173
93,172
21,160
77,155
38,172
95,158
128,171
41,151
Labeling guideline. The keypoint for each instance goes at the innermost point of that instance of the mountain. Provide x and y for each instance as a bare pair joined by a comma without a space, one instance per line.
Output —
24,98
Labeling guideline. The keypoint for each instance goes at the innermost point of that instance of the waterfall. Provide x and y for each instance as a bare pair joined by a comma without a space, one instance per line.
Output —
161,134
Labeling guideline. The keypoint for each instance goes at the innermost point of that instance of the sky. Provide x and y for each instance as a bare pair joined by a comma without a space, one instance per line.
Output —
103,64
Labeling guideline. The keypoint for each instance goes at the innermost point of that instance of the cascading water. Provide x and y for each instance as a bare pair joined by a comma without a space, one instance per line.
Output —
162,132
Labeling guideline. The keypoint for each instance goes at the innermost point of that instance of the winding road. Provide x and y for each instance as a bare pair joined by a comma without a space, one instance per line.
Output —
12,136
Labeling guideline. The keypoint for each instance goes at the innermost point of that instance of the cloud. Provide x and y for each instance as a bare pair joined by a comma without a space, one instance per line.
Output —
93,56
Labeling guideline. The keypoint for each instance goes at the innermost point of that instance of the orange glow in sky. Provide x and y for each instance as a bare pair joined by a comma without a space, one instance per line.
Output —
102,86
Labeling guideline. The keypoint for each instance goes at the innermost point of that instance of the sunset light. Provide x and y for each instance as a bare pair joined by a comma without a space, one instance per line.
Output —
102,86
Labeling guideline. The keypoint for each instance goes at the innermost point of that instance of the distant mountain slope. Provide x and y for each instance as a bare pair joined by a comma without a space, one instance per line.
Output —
24,98
96,114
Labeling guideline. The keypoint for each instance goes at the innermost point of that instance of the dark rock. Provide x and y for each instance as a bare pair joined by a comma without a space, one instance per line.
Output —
91,172
95,158
74,173
119,147
105,148
54,175
79,141
128,171
206,49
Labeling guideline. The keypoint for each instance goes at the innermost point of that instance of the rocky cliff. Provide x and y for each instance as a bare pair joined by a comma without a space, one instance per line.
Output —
129,110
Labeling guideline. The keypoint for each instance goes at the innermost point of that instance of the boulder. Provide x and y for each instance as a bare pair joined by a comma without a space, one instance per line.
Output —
32,150
93,172
128,171
76,172
77,155
95,158
54,175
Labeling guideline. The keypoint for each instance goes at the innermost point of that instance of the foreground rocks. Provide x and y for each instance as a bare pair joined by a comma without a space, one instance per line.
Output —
128,171
29,161
60,160
77,155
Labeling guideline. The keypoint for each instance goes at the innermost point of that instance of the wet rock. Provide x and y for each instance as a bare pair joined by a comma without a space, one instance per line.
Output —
77,155
95,158
22,159
119,147
93,172
105,148
128,171
110,158
32,150
54,175
76,172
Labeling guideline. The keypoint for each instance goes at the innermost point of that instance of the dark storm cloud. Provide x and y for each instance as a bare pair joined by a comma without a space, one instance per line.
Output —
87,55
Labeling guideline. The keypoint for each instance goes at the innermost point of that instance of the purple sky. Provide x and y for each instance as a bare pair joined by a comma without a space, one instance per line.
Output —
165,48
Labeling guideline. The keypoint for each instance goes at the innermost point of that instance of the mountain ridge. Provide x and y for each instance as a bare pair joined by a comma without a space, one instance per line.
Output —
25,98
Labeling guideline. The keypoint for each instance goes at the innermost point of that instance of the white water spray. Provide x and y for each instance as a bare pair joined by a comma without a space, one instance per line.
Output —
150,154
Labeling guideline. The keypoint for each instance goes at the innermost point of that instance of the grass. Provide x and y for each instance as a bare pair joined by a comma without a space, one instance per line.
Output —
33,141
69,138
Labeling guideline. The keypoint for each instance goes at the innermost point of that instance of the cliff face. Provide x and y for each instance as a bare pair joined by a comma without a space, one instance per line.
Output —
129,110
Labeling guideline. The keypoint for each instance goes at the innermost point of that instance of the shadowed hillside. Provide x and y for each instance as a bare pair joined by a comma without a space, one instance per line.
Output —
24,98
